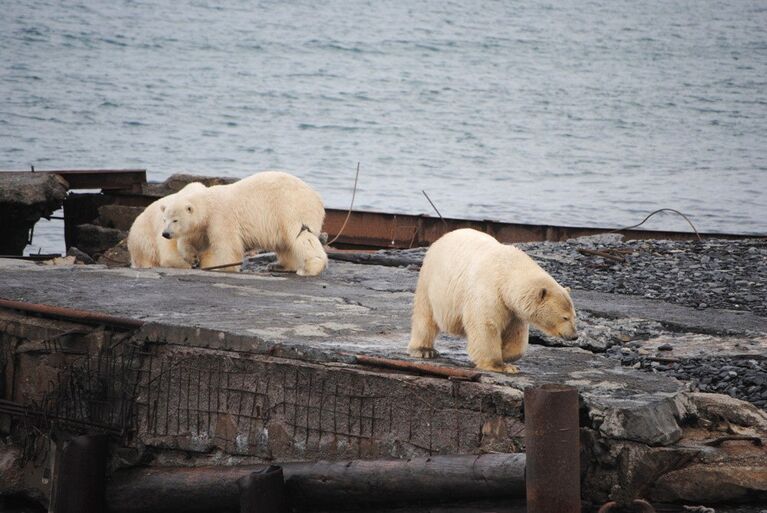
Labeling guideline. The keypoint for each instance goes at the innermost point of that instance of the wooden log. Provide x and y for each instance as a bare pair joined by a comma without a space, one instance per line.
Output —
351,484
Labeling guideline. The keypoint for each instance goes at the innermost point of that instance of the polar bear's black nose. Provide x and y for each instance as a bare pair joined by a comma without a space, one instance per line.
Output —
166,235
574,336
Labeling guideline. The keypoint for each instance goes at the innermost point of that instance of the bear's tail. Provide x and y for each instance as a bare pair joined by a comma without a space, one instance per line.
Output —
310,255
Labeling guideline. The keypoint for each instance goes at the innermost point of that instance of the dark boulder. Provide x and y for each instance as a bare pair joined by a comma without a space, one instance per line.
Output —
24,199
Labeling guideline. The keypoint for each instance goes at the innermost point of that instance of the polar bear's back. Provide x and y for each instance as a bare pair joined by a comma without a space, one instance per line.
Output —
269,207
450,273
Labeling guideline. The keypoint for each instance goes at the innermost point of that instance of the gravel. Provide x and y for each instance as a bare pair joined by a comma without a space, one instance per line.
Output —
721,274
742,377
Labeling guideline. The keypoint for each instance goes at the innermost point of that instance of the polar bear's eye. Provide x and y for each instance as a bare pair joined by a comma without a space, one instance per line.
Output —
565,318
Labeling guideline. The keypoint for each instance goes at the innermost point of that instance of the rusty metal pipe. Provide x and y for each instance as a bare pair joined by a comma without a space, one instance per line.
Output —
79,475
71,314
348,484
553,476
421,368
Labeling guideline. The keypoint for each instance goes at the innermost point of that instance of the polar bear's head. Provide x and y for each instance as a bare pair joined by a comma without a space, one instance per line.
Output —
181,217
552,310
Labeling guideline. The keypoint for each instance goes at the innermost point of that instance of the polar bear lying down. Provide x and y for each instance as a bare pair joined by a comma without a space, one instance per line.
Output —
146,245
472,285
271,211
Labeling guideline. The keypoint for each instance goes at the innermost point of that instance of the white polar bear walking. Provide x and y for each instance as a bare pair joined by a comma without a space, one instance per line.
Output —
146,245
271,210
470,284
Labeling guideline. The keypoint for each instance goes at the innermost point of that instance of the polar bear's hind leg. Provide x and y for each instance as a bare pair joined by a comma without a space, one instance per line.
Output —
423,329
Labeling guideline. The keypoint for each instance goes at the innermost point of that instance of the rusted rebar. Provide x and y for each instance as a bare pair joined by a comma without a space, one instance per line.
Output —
603,254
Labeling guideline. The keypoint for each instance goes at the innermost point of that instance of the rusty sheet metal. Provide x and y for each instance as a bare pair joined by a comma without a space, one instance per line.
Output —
418,367
553,449
71,314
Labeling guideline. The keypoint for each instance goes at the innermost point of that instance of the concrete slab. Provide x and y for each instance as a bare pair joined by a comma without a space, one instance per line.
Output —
351,309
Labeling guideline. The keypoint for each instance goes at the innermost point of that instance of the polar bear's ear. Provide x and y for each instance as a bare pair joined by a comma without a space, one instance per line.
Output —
568,289
542,294
162,208
189,208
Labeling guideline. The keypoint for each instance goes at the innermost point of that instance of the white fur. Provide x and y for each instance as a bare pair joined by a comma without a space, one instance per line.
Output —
146,245
271,211
472,285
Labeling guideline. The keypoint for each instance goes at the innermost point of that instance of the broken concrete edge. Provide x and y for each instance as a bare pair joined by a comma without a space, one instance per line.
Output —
718,455
654,422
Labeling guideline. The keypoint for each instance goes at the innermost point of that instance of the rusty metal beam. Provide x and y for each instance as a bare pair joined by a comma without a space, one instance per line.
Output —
552,446
71,314
322,484
384,230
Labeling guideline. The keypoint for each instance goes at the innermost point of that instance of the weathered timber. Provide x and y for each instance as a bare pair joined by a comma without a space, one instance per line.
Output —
341,484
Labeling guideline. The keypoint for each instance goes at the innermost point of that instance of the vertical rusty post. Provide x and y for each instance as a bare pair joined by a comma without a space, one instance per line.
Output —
263,491
552,474
79,476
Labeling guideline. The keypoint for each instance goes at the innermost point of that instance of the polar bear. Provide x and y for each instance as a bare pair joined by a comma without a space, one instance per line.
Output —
470,284
271,210
146,245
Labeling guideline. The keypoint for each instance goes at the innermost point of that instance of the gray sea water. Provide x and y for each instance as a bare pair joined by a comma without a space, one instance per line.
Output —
570,112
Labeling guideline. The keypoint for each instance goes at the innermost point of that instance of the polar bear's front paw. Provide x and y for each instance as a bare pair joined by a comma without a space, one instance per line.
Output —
424,352
498,367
